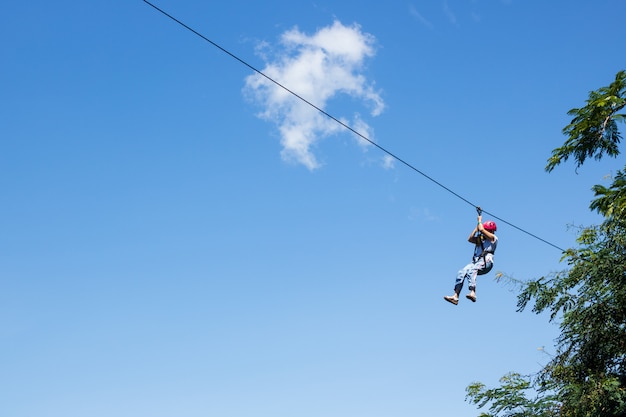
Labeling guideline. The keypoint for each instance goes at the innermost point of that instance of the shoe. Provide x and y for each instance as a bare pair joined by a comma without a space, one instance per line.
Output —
471,297
451,299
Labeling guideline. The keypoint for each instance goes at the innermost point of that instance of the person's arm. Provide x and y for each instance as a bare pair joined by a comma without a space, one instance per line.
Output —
472,236
484,231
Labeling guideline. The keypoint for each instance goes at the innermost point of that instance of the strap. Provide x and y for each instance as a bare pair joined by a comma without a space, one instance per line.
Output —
480,237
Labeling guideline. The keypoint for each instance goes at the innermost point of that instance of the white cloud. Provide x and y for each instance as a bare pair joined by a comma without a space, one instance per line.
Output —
422,214
413,11
318,68
449,13
388,162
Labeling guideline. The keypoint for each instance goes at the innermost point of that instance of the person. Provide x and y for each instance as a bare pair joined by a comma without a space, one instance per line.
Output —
485,241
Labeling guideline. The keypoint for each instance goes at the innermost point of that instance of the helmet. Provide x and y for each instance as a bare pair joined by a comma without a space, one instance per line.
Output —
490,226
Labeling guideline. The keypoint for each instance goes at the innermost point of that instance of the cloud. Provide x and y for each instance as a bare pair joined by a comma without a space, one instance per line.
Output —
422,214
449,13
318,68
413,11
388,162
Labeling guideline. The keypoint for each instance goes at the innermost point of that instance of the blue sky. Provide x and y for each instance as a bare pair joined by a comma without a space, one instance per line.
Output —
179,238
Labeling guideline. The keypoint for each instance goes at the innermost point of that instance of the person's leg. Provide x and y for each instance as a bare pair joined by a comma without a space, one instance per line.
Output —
458,285
472,273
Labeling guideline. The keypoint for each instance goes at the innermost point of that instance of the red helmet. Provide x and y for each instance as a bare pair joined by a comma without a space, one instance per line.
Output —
490,226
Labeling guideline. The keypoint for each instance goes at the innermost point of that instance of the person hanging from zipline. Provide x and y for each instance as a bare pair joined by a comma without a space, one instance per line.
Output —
485,241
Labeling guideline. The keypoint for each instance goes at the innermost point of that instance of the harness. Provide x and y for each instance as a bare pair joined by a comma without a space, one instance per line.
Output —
483,253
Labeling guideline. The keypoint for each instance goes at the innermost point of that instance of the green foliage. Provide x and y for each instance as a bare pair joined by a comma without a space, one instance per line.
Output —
611,202
587,374
593,130
510,399
589,369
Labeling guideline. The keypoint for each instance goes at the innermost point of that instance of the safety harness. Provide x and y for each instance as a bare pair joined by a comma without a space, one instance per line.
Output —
479,238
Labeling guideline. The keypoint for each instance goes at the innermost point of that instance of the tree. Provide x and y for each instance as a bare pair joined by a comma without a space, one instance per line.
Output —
587,374
593,130
511,400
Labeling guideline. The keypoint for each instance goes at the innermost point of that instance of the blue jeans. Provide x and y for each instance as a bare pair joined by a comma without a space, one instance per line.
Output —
471,271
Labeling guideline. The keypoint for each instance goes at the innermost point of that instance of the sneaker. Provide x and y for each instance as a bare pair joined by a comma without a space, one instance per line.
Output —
451,299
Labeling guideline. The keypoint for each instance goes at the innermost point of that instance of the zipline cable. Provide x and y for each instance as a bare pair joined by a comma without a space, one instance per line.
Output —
397,158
